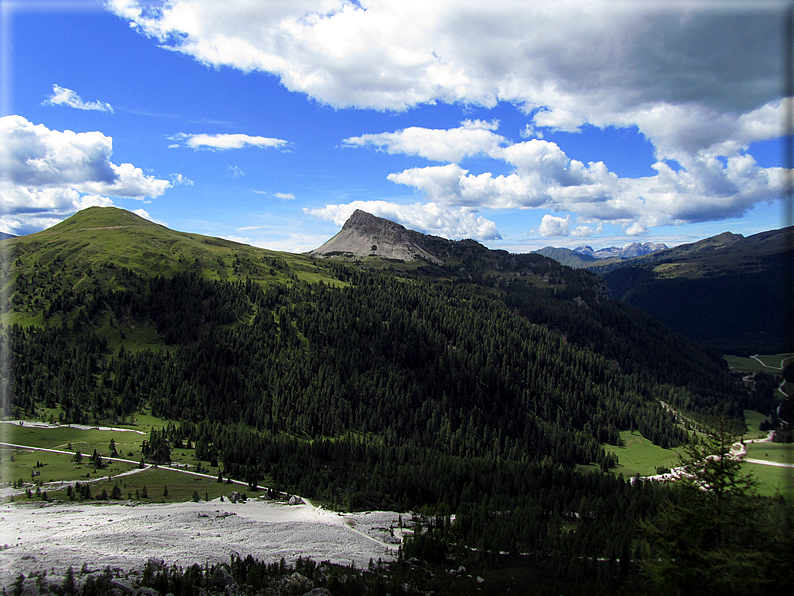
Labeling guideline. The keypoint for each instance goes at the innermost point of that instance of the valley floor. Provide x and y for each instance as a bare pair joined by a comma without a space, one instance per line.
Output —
40,537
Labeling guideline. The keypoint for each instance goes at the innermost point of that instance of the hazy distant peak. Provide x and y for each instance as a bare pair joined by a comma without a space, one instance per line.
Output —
635,249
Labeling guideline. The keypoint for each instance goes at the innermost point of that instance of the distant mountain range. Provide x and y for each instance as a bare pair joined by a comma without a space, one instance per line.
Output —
377,242
584,257
635,249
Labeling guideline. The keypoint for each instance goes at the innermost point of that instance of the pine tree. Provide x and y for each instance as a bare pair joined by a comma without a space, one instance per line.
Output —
716,536
69,588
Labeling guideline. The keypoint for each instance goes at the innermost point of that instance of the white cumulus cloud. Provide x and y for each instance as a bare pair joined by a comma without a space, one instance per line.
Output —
46,175
66,97
552,225
716,183
566,63
452,145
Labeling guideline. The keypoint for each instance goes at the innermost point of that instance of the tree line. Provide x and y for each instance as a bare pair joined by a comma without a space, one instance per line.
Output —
480,398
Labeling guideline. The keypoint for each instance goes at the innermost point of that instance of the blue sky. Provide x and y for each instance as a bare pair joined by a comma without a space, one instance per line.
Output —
520,124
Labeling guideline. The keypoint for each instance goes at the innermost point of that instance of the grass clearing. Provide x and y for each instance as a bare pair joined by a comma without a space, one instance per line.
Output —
180,486
86,440
638,455
782,453
145,423
769,363
753,419
773,480
51,467
20,463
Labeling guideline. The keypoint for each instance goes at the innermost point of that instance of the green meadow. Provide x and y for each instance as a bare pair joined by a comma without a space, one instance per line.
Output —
774,452
84,440
638,455
769,363
753,419
773,480
159,481
17,463
52,467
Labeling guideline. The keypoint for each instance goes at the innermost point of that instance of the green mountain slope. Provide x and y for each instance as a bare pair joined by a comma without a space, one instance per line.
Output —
727,291
107,272
96,248
478,386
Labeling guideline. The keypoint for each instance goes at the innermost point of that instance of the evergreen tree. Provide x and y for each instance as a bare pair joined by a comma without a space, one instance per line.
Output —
716,535
69,588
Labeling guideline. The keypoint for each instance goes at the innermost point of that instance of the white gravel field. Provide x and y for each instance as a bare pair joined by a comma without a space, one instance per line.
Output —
51,537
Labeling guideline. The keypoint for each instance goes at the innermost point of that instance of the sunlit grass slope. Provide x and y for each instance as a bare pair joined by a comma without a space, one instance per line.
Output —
638,455
89,245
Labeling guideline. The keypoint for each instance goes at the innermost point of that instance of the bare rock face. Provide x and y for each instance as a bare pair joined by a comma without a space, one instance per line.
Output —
365,235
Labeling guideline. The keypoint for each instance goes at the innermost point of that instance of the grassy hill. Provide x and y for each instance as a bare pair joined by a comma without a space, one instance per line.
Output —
103,236
93,251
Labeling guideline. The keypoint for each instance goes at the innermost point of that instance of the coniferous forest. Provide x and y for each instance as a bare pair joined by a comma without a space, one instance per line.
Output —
463,391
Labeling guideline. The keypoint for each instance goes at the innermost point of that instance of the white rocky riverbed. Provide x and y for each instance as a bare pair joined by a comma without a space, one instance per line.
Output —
51,537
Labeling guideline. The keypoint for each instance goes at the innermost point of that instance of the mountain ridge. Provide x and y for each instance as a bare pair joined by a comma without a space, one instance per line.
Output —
726,291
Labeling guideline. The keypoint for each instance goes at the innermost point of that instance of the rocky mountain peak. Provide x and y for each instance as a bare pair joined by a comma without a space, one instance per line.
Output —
363,220
365,235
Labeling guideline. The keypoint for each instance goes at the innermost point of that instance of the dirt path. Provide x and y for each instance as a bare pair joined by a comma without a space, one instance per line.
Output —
764,462
61,484
740,450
